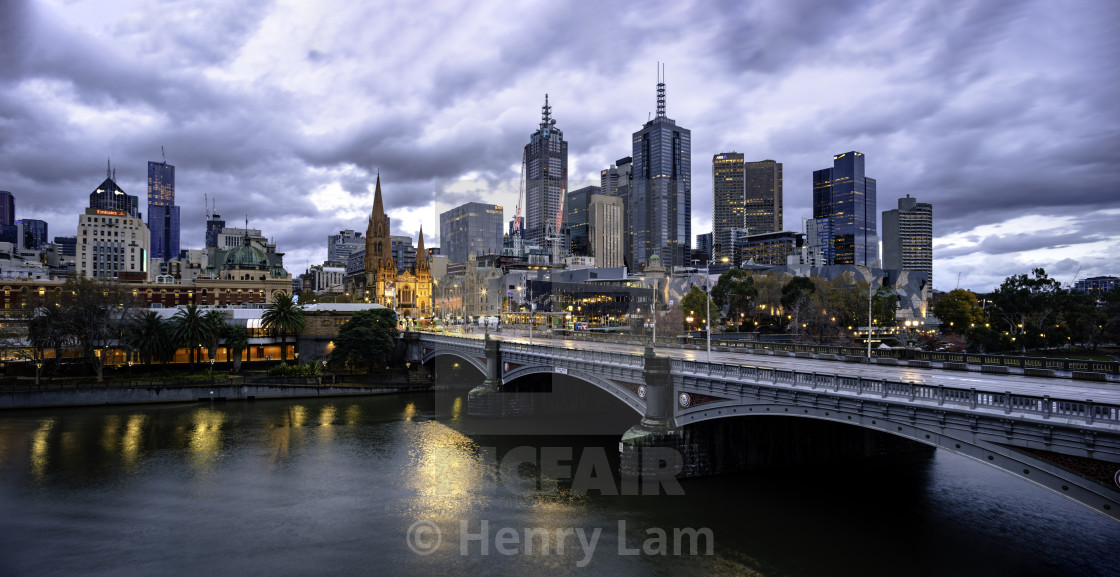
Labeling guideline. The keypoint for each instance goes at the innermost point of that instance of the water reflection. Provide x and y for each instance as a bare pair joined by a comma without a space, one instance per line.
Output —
327,415
133,440
353,415
205,439
40,448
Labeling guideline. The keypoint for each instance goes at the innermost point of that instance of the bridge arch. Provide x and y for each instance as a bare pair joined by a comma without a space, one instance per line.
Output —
473,361
1006,456
622,394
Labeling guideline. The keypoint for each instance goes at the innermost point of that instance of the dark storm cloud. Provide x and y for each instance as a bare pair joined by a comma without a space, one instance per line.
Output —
989,110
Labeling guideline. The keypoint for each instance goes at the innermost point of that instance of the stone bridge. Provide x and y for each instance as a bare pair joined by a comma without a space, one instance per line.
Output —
1070,446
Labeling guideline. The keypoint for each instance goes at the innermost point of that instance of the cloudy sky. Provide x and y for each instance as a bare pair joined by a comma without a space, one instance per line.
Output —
1003,115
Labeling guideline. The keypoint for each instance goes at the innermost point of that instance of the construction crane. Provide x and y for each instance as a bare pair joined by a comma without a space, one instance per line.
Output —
518,230
1071,283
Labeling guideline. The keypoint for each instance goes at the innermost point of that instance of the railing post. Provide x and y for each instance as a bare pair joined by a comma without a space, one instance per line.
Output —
1089,408
911,391
940,394
835,382
884,385
972,398
1045,406
859,385
1007,403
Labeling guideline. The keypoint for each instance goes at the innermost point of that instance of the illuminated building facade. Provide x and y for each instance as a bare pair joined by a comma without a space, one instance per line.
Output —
846,196
908,236
163,215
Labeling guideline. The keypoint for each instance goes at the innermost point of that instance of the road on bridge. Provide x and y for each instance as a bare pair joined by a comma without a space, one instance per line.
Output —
1055,387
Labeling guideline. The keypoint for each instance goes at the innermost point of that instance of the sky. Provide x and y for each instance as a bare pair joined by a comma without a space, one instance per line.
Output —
1002,115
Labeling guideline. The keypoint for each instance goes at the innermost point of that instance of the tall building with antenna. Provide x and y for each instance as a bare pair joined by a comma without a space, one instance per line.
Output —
163,215
546,181
660,200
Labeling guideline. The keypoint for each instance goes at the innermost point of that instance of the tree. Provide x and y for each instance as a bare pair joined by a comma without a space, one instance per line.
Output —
94,317
284,318
1028,308
46,329
150,336
190,329
697,304
217,322
308,297
959,310
237,342
735,290
367,339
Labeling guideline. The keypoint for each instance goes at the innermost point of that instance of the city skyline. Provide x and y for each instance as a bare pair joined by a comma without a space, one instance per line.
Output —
284,115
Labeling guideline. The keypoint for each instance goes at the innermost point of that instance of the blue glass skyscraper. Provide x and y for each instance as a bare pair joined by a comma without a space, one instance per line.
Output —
660,199
163,215
846,196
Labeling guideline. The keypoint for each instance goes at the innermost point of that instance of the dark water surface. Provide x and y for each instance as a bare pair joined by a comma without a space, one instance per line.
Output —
334,486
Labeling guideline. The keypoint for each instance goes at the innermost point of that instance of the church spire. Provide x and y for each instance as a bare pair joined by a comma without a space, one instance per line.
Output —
378,206
421,253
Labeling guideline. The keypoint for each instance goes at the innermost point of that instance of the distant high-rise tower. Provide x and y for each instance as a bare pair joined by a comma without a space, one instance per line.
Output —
762,206
847,197
728,201
7,208
660,203
546,179
615,181
163,215
605,230
109,196
470,229
908,236
577,219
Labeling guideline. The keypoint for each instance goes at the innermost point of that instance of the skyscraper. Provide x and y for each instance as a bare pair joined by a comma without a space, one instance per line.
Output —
163,215
340,246
7,208
605,230
728,201
847,197
762,204
472,228
546,179
615,181
34,233
660,204
908,236
109,196
576,219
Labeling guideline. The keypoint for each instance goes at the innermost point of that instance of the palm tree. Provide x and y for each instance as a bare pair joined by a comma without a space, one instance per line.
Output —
237,341
284,318
217,322
191,329
150,336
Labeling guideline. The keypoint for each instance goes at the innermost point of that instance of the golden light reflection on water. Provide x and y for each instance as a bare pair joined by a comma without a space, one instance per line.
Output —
205,438
449,478
297,416
40,456
456,408
110,433
327,415
410,411
353,415
133,439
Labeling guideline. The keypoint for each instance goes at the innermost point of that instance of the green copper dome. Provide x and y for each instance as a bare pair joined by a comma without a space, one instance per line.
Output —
246,256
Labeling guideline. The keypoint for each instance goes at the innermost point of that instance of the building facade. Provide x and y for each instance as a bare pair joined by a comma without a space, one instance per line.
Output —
7,208
762,196
112,241
728,201
771,248
408,292
34,233
341,245
163,214
577,219
546,180
908,236
605,230
473,228
845,195
660,200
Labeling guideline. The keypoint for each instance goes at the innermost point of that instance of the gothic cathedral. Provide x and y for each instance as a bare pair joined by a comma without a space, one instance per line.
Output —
408,292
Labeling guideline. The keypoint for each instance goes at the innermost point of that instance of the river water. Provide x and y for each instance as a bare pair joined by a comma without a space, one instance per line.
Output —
358,486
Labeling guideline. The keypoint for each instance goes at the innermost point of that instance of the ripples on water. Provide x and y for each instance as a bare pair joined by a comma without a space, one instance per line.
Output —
296,488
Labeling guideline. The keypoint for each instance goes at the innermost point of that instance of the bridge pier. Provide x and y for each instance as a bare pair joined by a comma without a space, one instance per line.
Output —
488,400
651,449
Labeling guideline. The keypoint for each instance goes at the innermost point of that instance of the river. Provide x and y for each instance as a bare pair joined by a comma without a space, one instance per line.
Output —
379,485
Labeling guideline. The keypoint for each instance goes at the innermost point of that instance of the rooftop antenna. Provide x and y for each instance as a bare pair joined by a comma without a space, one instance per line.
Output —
108,168
660,90
163,154
546,113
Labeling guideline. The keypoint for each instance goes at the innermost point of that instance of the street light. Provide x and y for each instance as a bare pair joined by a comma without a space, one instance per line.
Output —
708,302
38,368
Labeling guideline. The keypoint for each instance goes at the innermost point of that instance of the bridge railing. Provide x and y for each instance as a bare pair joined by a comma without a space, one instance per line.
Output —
605,357
972,399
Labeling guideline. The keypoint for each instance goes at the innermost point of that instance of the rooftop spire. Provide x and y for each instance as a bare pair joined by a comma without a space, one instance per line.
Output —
660,90
378,205
546,114
108,168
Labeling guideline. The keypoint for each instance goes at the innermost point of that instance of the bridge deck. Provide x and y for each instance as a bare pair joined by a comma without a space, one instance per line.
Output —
991,382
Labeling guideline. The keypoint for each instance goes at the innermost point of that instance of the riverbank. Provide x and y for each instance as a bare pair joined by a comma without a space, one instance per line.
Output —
221,391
